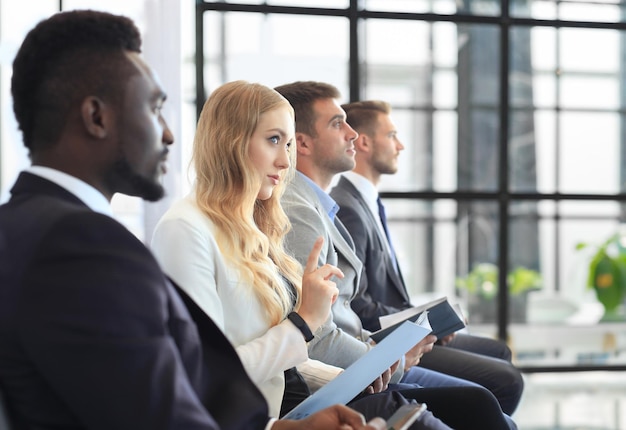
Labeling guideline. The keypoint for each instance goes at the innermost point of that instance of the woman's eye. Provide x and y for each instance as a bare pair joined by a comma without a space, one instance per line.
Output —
275,139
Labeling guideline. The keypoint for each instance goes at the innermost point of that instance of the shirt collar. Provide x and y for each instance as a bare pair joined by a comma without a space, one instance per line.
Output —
93,198
369,192
329,205
365,187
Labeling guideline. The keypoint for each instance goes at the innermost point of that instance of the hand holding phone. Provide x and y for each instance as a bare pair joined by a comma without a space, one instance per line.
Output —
405,416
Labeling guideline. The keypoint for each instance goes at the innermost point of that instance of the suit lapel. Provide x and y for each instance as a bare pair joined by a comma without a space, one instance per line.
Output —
395,276
371,218
28,184
342,241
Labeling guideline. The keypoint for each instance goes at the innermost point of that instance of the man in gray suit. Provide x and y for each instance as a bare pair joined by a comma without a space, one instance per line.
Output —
382,290
325,147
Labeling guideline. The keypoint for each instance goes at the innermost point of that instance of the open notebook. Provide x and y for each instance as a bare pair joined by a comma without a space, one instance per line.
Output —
442,316
354,379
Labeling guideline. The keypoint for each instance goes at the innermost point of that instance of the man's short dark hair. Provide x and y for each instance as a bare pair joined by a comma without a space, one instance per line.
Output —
301,95
63,59
363,115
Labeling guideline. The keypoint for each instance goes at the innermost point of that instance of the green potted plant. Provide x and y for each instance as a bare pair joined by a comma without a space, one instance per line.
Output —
606,275
482,285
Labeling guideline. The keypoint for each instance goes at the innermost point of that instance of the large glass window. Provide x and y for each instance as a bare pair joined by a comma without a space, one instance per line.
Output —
273,48
512,119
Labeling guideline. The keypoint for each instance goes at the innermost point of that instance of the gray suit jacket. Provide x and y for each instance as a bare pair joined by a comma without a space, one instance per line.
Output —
382,290
340,341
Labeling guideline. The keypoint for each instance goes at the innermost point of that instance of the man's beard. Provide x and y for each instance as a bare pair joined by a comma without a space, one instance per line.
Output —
125,180
384,167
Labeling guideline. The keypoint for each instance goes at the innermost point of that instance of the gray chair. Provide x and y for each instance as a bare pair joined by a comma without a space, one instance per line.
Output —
4,415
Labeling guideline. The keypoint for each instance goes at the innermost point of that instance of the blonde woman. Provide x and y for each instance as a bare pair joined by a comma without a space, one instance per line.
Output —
223,243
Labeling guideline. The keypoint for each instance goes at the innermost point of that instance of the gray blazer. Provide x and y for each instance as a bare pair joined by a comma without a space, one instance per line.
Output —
340,341
382,290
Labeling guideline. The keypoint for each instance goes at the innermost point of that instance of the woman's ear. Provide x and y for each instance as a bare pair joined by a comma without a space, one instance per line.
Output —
94,114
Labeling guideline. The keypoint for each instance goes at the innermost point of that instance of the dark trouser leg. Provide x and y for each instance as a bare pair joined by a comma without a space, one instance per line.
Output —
463,408
500,377
385,404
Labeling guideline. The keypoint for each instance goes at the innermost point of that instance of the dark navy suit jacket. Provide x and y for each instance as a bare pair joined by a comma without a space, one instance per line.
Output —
93,335
382,290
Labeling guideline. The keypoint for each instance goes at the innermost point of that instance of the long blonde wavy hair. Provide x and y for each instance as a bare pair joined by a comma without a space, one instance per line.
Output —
250,232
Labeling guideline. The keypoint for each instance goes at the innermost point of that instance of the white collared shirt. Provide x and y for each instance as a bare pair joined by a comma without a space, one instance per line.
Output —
370,195
94,199
369,192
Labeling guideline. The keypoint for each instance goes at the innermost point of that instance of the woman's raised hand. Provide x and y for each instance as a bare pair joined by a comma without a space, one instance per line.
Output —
318,291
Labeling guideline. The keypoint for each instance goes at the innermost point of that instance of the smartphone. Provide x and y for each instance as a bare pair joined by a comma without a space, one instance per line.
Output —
405,416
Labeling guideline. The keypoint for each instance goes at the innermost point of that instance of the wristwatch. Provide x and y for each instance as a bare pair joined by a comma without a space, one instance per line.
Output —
302,326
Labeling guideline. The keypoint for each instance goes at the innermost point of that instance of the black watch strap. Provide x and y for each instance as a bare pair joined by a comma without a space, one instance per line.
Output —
302,326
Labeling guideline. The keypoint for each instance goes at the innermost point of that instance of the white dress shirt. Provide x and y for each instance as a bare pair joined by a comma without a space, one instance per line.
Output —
93,198
369,192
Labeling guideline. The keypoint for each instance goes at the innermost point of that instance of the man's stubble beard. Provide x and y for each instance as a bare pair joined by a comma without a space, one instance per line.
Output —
123,179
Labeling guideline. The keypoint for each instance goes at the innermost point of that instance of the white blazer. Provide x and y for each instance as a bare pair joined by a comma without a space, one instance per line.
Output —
184,243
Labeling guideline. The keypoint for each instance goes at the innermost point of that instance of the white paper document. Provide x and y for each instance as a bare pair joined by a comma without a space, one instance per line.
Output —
362,372
392,319
443,317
